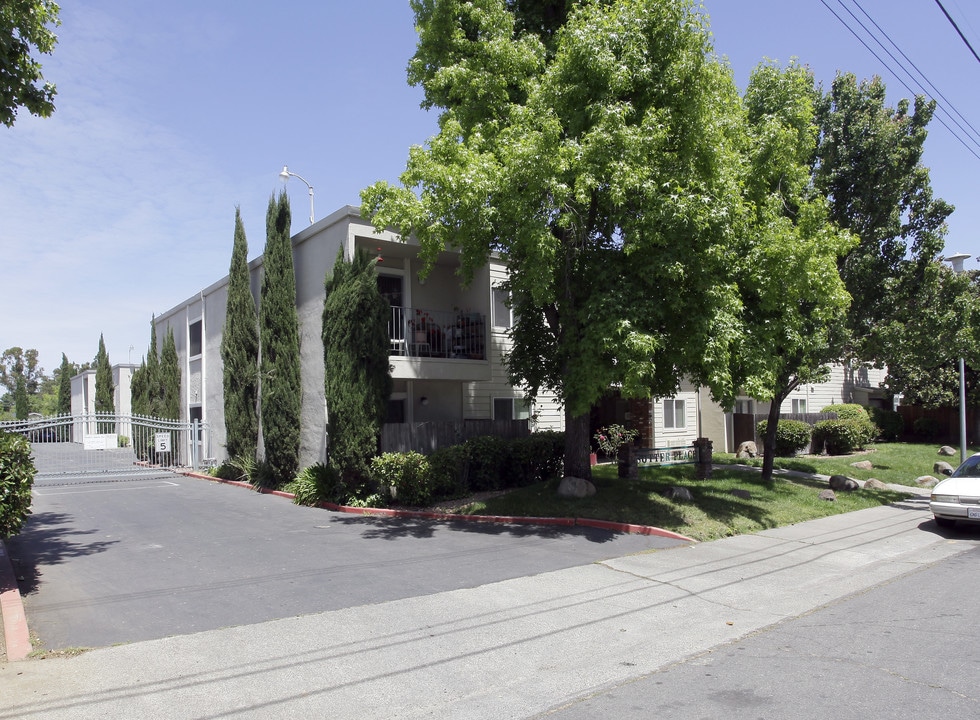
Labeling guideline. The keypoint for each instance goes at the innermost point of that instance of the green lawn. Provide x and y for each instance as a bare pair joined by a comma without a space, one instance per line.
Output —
897,463
714,513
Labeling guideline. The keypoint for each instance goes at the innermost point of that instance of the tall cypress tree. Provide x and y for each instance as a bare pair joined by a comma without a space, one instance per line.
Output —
104,387
154,389
170,378
139,390
355,353
281,392
64,386
240,353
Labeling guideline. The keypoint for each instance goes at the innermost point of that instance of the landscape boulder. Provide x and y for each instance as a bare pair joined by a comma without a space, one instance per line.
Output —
828,495
875,484
573,487
863,465
678,493
747,449
927,481
947,451
739,493
842,482
943,468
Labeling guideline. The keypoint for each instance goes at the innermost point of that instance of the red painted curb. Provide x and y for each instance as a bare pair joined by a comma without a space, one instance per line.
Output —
626,528
15,633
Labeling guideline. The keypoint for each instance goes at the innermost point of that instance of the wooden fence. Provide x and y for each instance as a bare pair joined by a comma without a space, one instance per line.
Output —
427,437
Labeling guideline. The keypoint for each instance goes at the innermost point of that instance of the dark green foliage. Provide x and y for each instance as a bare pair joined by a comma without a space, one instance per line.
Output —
792,436
154,382
240,353
449,471
16,478
355,352
488,459
26,27
281,391
890,423
104,387
64,386
534,458
839,437
139,390
926,427
22,406
406,476
170,378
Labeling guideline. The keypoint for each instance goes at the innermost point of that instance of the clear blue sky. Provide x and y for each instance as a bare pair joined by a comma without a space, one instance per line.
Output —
169,114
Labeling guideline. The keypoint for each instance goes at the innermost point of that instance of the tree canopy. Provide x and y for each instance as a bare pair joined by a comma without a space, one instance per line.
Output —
601,166
25,26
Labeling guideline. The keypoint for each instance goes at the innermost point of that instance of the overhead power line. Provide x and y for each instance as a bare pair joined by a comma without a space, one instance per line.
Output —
957,28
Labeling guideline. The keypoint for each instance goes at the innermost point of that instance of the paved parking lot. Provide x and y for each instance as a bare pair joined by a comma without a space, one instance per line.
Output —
114,559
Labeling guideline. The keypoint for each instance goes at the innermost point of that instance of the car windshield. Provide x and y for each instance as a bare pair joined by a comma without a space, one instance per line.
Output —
971,468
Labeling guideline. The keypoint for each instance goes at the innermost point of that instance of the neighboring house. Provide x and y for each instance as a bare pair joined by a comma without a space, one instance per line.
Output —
83,391
447,341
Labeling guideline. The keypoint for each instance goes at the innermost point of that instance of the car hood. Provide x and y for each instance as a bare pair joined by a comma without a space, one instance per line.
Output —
958,486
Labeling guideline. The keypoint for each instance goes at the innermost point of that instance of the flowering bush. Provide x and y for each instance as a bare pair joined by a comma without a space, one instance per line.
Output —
610,439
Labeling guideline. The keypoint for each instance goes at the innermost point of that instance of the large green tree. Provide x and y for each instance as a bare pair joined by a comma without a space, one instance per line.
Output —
355,351
240,353
869,165
794,301
25,26
17,363
280,387
598,160
65,373
104,387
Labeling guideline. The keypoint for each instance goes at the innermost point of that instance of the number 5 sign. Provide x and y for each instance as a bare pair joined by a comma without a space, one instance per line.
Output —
162,442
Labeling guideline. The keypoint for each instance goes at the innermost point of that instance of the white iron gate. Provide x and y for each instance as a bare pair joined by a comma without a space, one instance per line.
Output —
112,444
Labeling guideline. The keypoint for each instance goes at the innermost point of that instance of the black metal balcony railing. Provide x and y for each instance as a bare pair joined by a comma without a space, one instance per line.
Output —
415,332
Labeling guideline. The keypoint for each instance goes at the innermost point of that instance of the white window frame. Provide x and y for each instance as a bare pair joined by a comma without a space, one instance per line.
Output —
191,324
495,292
677,408
520,409
798,406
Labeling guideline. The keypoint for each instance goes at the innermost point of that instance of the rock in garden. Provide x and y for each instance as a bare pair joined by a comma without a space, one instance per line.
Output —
926,481
747,449
678,493
947,451
875,484
739,493
573,487
842,482
863,465
943,467
827,495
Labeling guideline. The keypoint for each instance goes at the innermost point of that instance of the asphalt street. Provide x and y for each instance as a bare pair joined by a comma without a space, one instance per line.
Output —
905,648
108,560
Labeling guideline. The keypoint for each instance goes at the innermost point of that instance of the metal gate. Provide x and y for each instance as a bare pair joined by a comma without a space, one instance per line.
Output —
110,444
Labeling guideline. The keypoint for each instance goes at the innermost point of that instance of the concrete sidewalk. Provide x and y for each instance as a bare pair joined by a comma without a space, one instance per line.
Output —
510,649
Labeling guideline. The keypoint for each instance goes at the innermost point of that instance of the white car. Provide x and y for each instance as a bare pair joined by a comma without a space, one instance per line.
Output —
958,496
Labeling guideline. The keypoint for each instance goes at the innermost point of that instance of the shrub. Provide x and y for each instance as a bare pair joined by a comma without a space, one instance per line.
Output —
533,459
449,471
857,414
838,437
405,475
926,427
791,436
16,478
890,423
317,483
487,460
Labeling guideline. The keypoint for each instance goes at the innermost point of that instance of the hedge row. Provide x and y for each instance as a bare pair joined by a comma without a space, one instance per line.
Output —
852,430
16,478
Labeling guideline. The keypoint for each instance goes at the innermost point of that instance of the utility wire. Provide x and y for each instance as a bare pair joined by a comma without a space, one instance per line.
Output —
957,27
897,76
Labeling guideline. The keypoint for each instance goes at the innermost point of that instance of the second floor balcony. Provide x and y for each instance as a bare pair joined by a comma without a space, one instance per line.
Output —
441,334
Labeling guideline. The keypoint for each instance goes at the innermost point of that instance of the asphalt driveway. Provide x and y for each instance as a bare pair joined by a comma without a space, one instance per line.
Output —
106,560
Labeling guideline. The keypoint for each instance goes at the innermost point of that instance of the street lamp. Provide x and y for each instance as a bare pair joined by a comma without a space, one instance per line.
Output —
957,262
285,175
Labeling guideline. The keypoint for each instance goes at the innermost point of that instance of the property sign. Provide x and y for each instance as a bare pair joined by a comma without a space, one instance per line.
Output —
161,441
668,456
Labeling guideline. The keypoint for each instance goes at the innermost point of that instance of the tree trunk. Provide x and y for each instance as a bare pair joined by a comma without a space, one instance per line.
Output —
577,446
769,441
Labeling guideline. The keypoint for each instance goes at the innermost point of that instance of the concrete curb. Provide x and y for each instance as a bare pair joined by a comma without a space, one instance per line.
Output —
626,528
15,632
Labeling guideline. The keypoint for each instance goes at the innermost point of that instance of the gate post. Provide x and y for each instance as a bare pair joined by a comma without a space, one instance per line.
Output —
195,446
702,468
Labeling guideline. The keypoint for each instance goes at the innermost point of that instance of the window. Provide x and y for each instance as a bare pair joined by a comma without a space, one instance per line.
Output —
194,332
675,414
799,406
501,312
743,407
396,411
511,409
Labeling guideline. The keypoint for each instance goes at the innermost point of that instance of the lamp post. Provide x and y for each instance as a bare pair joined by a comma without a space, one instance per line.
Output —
286,174
957,263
